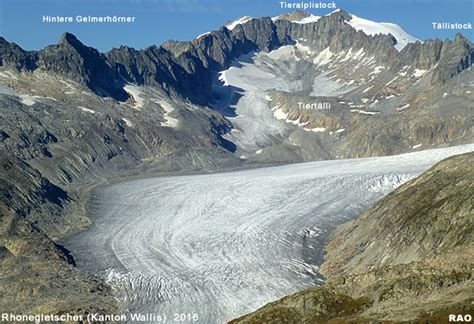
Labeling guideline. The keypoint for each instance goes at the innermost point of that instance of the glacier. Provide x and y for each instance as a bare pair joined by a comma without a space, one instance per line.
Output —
221,245
242,92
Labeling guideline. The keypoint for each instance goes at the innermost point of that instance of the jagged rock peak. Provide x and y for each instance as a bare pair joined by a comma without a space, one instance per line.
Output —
70,39
297,15
341,13
461,39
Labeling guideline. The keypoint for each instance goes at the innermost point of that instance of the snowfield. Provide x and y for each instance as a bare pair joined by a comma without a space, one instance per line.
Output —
136,94
373,28
168,109
221,245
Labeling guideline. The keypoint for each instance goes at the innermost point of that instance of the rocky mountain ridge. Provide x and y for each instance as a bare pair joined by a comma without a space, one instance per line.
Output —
176,68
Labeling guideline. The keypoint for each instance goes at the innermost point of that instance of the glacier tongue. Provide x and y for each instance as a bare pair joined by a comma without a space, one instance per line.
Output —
221,245
243,90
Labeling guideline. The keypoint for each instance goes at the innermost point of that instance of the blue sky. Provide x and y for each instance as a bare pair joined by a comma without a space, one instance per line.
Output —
160,20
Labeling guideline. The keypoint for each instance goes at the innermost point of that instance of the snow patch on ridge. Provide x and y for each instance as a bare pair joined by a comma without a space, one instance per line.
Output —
203,34
310,19
88,110
136,94
316,129
364,112
127,122
8,75
233,24
419,73
169,121
324,57
27,100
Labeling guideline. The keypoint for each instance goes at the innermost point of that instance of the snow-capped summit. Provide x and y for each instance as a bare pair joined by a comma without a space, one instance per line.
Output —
367,26
372,28
298,17
310,19
231,25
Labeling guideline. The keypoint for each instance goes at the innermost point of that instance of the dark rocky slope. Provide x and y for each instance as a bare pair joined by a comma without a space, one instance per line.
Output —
408,258
37,277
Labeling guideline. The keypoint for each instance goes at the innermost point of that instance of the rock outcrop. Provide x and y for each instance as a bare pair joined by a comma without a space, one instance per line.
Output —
39,277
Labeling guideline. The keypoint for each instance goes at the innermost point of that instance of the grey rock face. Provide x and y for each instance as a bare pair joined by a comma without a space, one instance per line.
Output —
13,56
74,60
455,57
157,66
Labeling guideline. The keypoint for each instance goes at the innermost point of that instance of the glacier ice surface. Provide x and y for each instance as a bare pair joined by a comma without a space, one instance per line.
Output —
224,244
